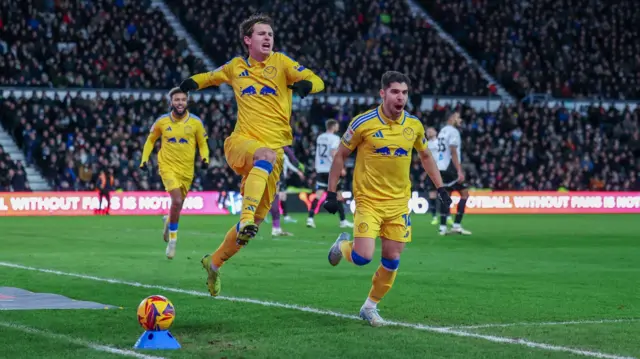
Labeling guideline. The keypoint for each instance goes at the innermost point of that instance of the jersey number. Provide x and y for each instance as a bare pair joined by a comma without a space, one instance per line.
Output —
323,150
441,146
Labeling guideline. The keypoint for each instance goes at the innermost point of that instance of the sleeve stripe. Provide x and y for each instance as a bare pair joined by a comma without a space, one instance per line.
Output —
362,119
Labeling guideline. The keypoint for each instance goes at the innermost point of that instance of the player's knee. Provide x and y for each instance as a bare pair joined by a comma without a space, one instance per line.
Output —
390,264
176,202
265,154
359,260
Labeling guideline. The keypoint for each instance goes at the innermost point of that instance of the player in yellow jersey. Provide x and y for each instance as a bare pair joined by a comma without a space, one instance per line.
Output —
384,138
263,83
180,132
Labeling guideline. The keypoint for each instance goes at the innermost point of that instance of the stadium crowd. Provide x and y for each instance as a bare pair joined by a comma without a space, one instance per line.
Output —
523,147
566,48
13,176
348,43
90,44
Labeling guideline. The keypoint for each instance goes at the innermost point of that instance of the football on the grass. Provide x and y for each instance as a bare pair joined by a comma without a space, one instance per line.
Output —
156,313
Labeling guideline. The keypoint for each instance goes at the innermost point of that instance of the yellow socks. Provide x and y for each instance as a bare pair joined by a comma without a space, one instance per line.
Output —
228,248
173,231
346,247
254,187
383,279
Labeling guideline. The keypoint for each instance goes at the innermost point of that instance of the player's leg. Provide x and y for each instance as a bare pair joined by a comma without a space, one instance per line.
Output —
344,223
433,204
232,243
283,204
275,217
394,235
178,196
457,228
360,250
320,187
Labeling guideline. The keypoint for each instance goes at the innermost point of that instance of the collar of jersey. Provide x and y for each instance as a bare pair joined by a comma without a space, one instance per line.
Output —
187,115
251,61
384,118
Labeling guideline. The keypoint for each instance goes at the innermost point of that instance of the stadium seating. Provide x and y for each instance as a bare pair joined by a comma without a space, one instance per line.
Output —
567,48
13,176
71,139
348,43
93,44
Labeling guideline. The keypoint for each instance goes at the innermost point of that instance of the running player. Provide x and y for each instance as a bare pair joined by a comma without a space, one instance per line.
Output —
450,166
180,132
326,148
384,138
263,83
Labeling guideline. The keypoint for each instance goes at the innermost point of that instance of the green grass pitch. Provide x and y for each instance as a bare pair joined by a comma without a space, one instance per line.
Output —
533,270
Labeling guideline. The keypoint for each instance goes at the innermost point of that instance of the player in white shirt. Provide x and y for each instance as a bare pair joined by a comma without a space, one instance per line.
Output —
291,164
326,147
450,166
432,143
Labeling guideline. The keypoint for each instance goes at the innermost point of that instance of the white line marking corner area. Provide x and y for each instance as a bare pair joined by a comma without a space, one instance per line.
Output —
77,341
450,330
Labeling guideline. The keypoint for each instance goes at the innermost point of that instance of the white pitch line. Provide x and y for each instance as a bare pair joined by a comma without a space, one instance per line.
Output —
442,330
536,324
80,342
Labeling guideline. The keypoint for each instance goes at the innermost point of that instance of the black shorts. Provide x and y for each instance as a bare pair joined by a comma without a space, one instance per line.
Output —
450,180
322,182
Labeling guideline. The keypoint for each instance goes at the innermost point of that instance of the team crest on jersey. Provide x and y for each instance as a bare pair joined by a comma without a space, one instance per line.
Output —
269,72
188,130
408,134
348,135
363,227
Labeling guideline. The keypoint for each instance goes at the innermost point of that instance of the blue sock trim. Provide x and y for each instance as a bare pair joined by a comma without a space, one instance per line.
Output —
358,259
173,226
264,165
238,227
390,264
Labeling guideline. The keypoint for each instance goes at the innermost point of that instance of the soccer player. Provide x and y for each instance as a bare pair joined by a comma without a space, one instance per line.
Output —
105,186
384,138
326,148
450,166
432,142
263,83
291,163
180,132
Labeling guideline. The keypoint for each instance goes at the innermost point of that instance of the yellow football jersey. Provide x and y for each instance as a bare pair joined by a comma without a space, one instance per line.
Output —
264,100
383,158
179,140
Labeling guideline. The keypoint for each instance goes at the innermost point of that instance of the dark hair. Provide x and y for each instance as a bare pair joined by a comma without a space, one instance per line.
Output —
246,26
330,123
390,77
174,91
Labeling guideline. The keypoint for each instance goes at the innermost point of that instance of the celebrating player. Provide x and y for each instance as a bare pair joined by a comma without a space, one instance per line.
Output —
326,148
384,138
450,166
263,83
180,132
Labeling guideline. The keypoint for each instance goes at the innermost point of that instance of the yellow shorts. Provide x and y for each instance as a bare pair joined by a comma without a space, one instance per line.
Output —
371,223
239,151
173,180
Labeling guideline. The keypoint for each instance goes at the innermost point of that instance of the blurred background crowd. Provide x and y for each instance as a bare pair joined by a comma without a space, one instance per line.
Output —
564,48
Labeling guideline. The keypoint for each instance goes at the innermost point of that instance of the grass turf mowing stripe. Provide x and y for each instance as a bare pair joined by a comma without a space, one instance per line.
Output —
80,342
442,330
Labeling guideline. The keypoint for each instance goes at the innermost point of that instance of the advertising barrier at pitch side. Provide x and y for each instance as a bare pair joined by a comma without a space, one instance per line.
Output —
214,203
